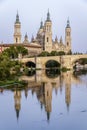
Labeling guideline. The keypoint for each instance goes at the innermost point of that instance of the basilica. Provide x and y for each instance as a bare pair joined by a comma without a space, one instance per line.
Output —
43,40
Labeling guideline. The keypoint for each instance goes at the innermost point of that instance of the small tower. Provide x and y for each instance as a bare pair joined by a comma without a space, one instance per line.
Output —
61,40
41,25
48,34
32,39
56,39
17,30
40,31
40,35
68,36
26,39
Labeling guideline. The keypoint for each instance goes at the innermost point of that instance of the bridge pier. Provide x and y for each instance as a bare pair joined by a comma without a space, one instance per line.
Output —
66,62
38,63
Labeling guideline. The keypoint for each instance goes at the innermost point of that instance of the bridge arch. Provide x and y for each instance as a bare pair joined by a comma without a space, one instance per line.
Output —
79,61
52,64
30,64
31,68
52,68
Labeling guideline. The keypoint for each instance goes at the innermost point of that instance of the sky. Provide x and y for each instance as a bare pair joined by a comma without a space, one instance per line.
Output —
32,11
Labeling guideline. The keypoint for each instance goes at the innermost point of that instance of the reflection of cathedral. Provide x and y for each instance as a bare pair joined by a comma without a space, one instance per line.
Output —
45,98
68,89
17,100
43,40
44,93
43,90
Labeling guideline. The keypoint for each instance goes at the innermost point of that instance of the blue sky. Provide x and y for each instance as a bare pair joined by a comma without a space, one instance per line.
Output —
32,11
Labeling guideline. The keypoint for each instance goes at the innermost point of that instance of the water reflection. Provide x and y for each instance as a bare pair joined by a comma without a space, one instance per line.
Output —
17,102
1,90
31,72
80,72
52,73
43,86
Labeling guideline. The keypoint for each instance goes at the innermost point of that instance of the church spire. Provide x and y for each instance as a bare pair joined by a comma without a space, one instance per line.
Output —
32,39
61,41
26,39
41,24
56,39
68,23
48,16
17,18
26,36
17,30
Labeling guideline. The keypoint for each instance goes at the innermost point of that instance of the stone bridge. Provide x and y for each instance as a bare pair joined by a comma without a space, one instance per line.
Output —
65,60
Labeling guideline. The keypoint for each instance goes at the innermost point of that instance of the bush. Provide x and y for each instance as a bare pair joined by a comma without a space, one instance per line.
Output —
44,53
64,69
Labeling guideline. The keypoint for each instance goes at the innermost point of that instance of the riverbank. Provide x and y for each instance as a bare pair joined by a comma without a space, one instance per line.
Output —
11,83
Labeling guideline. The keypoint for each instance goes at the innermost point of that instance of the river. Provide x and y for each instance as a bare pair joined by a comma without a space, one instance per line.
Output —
47,102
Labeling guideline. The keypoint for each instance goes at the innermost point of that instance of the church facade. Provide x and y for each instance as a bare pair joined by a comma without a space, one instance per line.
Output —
43,40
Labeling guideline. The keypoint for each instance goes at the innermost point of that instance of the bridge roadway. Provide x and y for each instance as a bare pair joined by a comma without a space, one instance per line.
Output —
65,60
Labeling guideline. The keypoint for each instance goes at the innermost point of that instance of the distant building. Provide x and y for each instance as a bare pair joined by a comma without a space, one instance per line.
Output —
43,40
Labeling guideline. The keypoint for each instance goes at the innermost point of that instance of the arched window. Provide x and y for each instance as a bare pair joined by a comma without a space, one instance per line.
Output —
47,94
47,39
67,43
47,28
16,40
68,33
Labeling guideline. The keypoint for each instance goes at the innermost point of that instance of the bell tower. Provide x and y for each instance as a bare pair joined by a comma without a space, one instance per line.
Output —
68,36
48,34
17,30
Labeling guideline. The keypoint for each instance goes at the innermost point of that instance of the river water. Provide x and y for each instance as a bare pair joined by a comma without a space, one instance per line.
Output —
47,102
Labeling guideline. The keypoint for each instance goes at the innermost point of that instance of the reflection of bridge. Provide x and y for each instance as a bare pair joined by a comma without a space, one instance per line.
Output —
40,77
65,60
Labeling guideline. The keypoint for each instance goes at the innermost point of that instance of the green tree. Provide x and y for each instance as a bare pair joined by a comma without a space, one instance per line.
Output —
22,50
83,61
13,51
61,53
7,66
44,53
54,53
